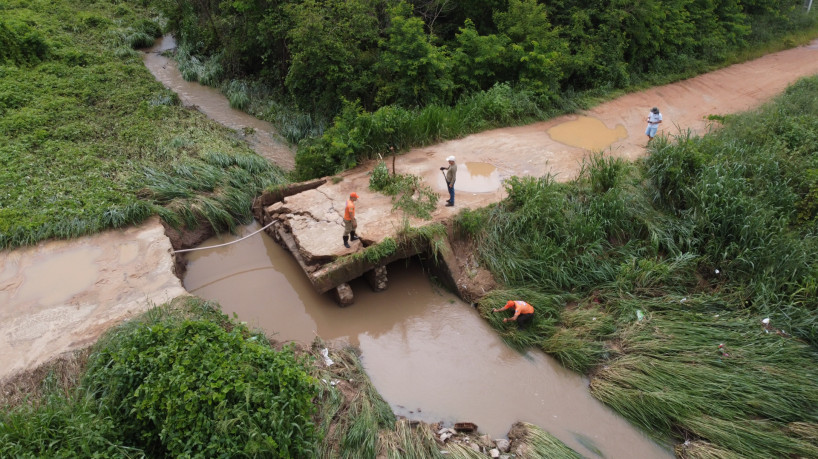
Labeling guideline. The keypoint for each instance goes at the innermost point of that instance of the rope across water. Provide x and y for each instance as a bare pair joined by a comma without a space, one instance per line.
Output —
226,243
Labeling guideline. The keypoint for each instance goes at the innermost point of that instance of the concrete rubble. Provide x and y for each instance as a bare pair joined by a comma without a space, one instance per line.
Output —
483,444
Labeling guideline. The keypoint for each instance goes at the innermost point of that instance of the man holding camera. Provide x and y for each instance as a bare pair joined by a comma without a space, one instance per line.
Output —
451,175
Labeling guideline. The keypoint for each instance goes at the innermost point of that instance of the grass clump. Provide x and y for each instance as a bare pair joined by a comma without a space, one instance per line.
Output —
403,188
539,443
346,395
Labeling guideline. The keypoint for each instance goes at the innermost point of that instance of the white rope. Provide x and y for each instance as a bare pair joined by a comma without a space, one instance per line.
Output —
226,243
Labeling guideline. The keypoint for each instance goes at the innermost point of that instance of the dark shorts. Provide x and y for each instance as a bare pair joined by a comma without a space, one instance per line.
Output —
524,319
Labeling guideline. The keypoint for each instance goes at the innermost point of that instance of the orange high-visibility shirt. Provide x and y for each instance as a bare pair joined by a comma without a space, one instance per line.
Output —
520,307
349,211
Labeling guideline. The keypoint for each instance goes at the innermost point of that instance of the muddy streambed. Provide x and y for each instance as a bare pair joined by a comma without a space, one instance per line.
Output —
430,355
260,134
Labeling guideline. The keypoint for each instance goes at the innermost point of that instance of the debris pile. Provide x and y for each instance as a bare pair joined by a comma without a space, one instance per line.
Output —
465,435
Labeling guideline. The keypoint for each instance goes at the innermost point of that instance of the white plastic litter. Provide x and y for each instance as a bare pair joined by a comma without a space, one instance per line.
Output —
765,321
325,353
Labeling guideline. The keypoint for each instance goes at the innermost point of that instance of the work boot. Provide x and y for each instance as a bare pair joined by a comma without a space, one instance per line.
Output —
353,236
449,204
346,244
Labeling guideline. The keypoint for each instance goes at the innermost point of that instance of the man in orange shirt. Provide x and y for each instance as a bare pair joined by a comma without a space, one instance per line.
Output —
523,312
350,224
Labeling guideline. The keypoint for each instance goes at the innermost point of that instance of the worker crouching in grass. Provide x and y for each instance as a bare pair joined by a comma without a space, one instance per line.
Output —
523,312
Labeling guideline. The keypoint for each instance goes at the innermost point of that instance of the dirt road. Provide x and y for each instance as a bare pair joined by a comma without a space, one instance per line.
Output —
61,295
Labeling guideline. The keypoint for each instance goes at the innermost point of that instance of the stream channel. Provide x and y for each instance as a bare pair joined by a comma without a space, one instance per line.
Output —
429,354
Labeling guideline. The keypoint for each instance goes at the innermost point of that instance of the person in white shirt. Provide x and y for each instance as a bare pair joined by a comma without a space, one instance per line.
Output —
654,119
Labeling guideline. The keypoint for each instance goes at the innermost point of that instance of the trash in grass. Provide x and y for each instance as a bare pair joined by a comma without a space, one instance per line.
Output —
723,350
639,315
325,353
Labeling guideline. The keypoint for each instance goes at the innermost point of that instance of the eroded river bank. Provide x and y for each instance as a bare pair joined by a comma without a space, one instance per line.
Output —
429,354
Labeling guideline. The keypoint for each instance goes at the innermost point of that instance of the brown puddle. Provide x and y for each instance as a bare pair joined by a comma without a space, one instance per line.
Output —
430,355
216,106
588,133
62,276
474,177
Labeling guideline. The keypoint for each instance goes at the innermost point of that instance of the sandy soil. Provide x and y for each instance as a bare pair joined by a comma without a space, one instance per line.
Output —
61,295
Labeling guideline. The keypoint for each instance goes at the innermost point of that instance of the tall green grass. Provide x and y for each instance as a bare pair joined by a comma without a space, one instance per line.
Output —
352,412
217,188
403,188
83,120
741,396
539,443
644,271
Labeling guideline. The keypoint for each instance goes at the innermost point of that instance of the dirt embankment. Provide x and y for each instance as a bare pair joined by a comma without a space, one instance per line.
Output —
61,295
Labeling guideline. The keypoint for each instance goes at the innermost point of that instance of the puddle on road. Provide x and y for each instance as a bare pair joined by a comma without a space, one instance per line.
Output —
474,177
62,275
430,355
588,133
215,105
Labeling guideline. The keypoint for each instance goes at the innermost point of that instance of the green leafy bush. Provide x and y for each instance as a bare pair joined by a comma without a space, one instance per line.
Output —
21,44
193,387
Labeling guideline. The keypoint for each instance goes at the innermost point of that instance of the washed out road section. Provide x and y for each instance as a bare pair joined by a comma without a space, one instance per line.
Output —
60,296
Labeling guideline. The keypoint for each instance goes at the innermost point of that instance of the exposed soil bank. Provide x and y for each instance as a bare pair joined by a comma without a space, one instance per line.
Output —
60,296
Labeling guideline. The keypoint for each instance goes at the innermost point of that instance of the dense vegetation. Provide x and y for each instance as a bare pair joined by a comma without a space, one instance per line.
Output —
656,277
182,381
408,73
89,140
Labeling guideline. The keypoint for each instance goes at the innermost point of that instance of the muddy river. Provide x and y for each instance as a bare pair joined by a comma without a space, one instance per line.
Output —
430,355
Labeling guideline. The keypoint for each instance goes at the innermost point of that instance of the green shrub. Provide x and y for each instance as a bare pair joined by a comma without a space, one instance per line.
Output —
672,168
402,188
21,44
191,387
470,223
237,95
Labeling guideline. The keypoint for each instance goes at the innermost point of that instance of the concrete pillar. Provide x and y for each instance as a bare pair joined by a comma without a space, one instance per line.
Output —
343,295
376,278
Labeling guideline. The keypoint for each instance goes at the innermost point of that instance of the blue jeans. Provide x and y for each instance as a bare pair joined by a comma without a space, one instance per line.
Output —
451,194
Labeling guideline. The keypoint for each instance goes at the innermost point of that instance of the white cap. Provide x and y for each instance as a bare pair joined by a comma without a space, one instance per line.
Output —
450,158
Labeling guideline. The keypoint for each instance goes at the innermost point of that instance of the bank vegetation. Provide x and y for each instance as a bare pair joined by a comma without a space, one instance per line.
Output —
684,284
656,278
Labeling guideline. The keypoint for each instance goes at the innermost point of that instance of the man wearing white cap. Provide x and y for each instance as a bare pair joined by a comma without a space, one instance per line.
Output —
451,175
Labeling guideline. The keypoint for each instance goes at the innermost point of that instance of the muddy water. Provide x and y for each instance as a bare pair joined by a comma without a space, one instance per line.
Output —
430,355
588,133
260,134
